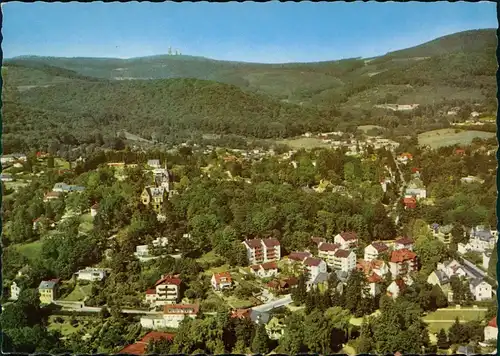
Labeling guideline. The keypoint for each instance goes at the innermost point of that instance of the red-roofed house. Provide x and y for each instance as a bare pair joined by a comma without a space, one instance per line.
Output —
491,330
375,250
222,280
166,291
404,157
373,286
140,347
347,239
460,151
298,256
283,285
317,240
262,250
403,243
395,288
402,262
240,313
265,270
410,202
314,267
52,196
326,251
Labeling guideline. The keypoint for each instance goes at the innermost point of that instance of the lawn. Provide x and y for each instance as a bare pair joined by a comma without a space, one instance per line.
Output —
220,269
209,257
238,303
61,163
79,293
452,313
304,142
30,250
448,137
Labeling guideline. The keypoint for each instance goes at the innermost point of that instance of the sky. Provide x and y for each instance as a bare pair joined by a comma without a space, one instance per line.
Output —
269,32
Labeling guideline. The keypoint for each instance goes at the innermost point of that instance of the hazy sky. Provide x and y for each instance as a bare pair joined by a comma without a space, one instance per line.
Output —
252,32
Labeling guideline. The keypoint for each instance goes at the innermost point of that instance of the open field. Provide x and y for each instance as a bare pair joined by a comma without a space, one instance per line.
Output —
366,128
448,137
304,142
30,250
79,293
452,313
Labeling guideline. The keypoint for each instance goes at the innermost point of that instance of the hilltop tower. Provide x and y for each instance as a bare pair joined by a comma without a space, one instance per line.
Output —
169,51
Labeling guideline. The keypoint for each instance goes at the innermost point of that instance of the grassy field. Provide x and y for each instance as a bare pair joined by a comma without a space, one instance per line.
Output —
79,293
30,250
448,137
304,142
209,257
444,319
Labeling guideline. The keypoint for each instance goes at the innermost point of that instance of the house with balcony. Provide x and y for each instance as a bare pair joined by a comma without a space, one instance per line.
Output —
166,291
262,250
173,315
221,281
346,239
326,251
375,250
265,270
377,267
298,256
344,260
402,262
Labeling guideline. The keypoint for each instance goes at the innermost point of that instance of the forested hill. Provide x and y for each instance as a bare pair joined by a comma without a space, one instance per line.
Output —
159,107
253,100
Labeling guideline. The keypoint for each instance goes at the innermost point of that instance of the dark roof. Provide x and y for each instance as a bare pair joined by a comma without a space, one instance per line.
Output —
326,246
271,242
404,241
168,280
254,243
342,253
299,255
349,235
312,261
379,246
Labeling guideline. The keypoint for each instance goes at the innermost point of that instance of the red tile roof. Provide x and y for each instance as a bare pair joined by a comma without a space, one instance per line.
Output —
140,347
374,278
409,200
269,265
180,309
328,247
311,261
349,235
299,256
271,242
493,322
240,313
342,253
254,243
402,255
151,291
224,277
168,280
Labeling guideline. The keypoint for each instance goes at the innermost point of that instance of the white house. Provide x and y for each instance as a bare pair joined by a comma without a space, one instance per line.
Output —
265,270
222,280
452,268
481,239
442,233
395,288
14,291
346,239
172,316
91,274
480,289
166,291
402,262
314,267
491,330
373,287
344,260
403,243
374,250
93,209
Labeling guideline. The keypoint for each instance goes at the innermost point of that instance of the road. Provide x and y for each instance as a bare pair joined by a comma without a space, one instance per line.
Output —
287,299
401,189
